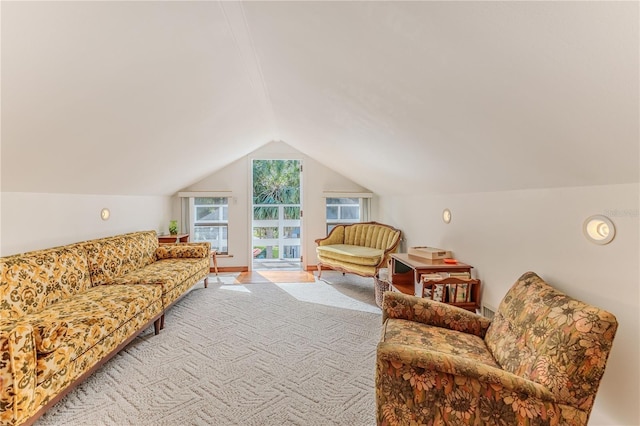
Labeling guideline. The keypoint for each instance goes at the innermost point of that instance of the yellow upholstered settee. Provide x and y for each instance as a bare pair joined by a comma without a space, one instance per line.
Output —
359,248
538,362
64,311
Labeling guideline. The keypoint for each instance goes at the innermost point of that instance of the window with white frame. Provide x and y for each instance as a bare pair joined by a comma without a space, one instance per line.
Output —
211,221
346,210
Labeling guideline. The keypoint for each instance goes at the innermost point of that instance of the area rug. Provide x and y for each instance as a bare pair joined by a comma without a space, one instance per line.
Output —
232,354
258,277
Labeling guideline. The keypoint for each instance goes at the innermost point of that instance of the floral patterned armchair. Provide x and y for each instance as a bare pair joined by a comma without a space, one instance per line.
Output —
538,362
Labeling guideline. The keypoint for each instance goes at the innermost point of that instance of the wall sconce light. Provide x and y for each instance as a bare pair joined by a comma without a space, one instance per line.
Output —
105,214
446,216
599,229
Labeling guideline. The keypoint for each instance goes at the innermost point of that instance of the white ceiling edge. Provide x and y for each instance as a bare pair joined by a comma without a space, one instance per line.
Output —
399,97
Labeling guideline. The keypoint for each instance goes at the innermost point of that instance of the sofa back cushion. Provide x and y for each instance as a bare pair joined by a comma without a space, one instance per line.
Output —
30,282
112,257
371,234
548,337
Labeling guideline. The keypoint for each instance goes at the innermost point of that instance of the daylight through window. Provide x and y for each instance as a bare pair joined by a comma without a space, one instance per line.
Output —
343,211
210,221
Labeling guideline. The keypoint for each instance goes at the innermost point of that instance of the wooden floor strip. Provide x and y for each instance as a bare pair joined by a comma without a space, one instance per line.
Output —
256,277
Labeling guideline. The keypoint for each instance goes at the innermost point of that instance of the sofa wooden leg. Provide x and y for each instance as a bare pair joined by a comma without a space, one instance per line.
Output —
156,326
319,270
206,282
162,322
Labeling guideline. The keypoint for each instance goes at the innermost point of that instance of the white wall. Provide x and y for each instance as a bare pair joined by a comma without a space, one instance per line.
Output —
32,221
504,234
316,178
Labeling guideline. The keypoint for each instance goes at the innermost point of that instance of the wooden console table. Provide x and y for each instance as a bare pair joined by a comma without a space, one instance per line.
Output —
178,238
406,270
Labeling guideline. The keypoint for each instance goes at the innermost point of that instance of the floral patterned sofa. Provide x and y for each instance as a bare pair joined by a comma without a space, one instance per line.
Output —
64,311
538,362
359,248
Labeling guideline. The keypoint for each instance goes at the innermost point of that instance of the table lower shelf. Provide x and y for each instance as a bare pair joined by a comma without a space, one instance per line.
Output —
409,289
403,287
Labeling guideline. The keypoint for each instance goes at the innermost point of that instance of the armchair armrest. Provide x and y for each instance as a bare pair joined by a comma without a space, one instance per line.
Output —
336,236
17,371
183,250
489,378
426,311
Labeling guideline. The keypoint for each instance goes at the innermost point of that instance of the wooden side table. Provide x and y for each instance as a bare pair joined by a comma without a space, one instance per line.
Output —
214,256
178,238
406,271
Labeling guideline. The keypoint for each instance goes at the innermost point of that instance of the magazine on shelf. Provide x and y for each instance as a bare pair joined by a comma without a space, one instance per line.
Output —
461,295
461,275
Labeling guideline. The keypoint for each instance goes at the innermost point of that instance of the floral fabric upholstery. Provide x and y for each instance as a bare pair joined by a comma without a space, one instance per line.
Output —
98,321
113,257
17,372
59,317
359,248
32,281
546,336
173,276
539,362
183,250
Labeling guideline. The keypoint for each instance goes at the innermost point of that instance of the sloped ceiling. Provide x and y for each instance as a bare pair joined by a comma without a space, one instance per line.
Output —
401,97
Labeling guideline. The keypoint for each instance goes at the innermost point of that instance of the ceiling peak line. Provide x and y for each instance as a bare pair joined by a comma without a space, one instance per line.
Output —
236,20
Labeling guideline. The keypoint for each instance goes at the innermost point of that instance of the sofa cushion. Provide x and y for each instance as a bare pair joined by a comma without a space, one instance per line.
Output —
183,250
94,315
360,255
113,257
167,273
32,281
437,339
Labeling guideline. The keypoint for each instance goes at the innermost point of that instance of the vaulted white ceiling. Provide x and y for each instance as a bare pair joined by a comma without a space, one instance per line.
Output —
401,97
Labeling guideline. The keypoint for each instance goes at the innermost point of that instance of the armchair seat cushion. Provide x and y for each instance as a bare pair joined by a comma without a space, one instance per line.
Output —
361,255
437,339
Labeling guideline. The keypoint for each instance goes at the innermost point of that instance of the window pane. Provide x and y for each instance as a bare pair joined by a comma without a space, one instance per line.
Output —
265,213
209,200
292,213
208,214
349,213
266,252
210,222
265,232
215,234
342,210
332,212
291,232
291,252
343,201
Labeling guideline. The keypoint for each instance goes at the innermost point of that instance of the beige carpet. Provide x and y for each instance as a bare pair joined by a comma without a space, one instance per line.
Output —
271,354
